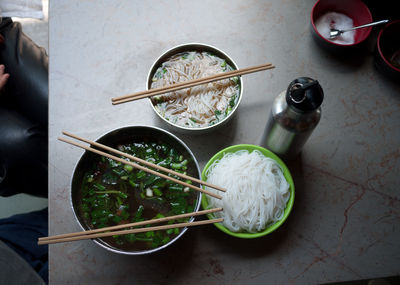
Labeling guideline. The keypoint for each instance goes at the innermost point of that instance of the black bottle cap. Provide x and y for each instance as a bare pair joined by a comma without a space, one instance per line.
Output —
305,94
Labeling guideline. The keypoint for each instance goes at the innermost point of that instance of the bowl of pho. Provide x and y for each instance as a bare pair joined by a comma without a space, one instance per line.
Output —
201,108
105,192
260,190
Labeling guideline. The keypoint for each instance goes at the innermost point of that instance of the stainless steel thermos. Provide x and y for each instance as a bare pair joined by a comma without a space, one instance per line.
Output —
294,115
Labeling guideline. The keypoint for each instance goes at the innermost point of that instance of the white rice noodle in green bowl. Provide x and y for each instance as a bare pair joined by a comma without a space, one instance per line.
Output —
260,190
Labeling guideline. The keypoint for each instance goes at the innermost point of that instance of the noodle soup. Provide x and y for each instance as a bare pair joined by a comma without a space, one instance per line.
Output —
200,107
107,193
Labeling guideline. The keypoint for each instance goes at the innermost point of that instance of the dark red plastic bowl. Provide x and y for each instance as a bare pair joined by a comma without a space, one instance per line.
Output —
355,9
388,46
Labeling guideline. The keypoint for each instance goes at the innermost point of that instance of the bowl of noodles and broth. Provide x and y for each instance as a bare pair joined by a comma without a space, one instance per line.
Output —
107,193
260,190
202,108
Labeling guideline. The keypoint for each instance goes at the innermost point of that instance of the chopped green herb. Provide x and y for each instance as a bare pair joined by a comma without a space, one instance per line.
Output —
115,193
130,237
99,186
235,80
157,191
128,168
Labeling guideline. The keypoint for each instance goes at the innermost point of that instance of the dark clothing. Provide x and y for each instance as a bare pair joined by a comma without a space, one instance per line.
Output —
27,88
21,233
23,154
15,270
23,114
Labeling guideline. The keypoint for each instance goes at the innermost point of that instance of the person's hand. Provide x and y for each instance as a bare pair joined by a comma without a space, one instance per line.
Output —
3,76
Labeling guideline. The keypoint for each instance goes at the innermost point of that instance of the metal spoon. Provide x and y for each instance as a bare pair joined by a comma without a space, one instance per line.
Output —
335,33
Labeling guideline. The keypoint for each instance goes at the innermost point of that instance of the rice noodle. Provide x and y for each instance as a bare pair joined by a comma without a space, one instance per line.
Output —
201,105
257,191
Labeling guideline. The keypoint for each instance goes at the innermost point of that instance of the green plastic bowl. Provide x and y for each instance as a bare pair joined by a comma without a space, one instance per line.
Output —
286,173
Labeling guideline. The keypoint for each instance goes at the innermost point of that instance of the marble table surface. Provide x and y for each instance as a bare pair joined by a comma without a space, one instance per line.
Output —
345,224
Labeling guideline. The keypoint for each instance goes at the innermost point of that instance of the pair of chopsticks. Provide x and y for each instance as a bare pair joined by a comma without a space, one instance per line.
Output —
111,231
149,164
189,83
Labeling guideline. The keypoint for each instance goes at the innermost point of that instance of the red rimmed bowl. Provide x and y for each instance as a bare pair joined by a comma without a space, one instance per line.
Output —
354,9
387,52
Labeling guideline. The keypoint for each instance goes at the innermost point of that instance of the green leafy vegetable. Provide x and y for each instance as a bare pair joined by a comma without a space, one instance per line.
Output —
115,193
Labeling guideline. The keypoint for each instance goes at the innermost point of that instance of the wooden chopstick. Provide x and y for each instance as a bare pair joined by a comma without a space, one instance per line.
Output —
149,164
189,83
141,168
130,225
133,231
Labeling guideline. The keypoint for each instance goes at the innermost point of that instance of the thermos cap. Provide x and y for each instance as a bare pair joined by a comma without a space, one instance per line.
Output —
304,94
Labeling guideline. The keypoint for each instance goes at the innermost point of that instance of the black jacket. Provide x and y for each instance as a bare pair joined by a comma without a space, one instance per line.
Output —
23,114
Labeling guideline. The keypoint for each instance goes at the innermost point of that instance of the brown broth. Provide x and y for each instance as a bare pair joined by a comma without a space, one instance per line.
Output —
105,185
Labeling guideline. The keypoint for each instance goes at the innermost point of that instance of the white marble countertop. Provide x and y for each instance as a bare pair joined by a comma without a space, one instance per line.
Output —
345,221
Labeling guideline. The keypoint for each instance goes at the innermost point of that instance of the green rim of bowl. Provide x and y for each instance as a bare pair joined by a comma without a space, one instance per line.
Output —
286,173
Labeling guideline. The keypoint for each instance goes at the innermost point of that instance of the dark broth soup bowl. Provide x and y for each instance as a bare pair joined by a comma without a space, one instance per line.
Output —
88,161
